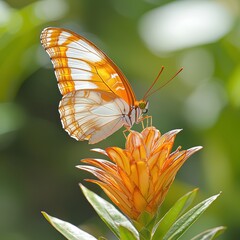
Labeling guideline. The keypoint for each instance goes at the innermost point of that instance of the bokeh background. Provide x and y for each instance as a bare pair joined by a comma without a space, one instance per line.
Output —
38,158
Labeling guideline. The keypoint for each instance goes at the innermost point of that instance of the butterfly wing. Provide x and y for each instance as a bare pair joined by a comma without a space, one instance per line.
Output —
92,115
80,65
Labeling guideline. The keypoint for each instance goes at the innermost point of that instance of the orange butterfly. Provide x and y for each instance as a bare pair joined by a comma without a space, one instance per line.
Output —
97,97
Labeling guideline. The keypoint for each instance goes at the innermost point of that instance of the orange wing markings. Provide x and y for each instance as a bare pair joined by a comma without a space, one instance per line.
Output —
72,52
92,115
61,37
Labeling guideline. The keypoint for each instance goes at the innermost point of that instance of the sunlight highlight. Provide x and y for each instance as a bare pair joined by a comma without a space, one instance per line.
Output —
43,9
203,107
184,24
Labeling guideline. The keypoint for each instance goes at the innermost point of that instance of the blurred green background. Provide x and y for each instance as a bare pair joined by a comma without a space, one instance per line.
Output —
38,158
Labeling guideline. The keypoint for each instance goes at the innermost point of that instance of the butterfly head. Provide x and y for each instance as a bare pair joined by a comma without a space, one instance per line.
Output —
143,105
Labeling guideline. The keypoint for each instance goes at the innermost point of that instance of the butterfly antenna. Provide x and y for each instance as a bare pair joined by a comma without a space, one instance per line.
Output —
154,82
148,92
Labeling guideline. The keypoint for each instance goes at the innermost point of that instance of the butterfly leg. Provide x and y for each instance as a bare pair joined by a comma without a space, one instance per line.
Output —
148,121
125,131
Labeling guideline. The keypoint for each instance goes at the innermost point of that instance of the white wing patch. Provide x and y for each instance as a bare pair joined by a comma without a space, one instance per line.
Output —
76,63
75,53
92,115
87,47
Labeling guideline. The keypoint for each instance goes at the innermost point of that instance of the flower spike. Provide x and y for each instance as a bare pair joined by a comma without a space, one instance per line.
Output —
139,176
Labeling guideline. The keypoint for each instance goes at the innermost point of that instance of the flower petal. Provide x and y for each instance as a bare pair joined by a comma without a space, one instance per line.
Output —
100,163
143,178
134,140
192,150
99,150
117,197
118,156
150,136
135,145
139,201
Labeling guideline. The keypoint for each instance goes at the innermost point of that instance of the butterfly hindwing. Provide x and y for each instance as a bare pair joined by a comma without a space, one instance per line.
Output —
92,115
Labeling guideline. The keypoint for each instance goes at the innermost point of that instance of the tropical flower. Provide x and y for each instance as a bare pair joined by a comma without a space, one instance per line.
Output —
139,176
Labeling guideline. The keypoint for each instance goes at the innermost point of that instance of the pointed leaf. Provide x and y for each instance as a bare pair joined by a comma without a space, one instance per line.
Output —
125,233
144,219
68,230
108,213
145,234
184,222
170,217
210,234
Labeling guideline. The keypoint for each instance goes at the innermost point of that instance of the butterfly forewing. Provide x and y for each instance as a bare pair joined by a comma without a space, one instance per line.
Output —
80,65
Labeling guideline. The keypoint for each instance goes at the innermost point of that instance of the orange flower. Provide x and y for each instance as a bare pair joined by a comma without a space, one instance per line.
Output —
140,176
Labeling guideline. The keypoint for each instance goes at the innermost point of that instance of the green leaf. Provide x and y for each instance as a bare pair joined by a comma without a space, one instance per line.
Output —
145,234
144,219
184,222
210,233
170,217
68,230
108,213
22,45
126,234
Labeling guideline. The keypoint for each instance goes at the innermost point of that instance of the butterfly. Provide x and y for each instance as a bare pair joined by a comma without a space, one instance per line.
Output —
97,97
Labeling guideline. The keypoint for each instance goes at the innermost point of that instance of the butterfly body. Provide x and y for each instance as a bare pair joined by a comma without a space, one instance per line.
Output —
97,97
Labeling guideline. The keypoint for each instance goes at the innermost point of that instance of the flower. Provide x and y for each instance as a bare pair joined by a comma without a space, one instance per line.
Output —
139,176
